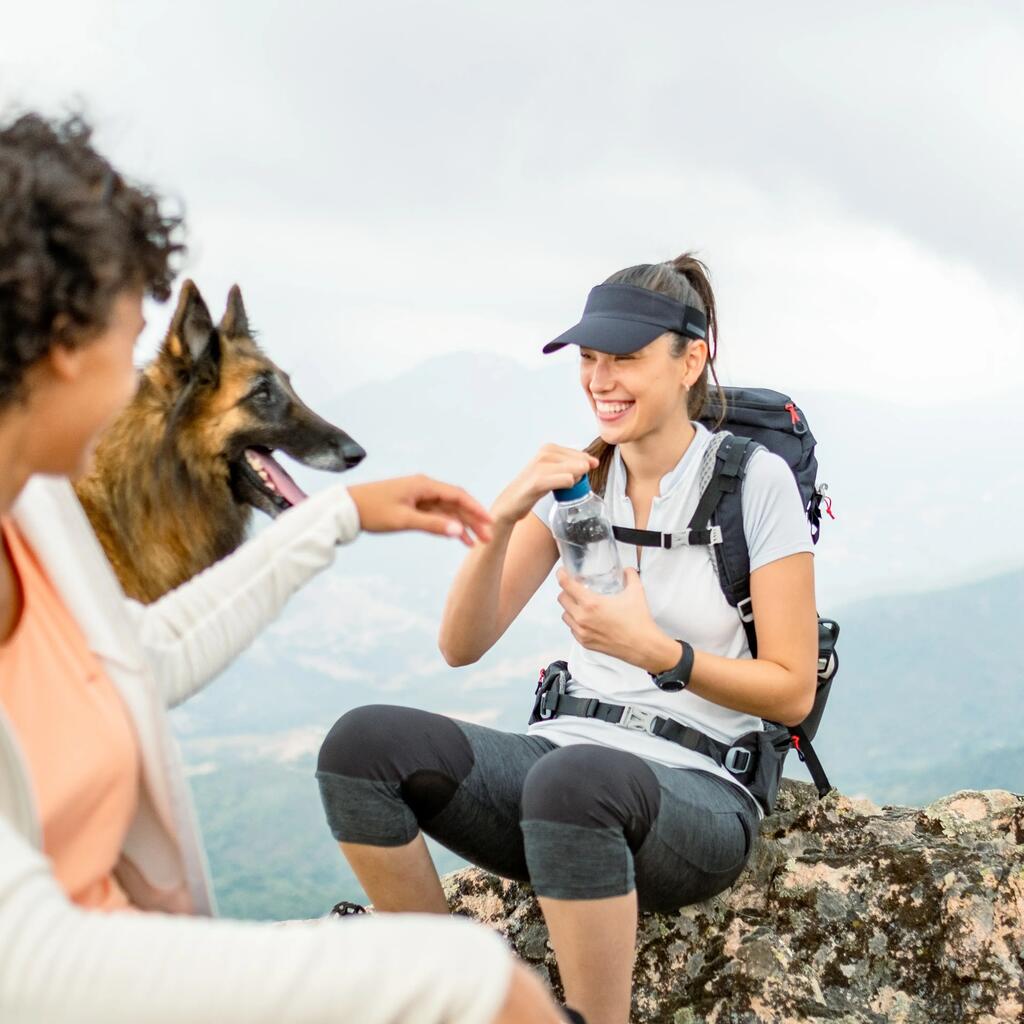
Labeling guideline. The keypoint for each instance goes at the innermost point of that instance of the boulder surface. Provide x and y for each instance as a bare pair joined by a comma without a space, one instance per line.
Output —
847,912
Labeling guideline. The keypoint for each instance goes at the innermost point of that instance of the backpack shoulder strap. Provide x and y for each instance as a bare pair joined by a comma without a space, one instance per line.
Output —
720,508
731,455
699,533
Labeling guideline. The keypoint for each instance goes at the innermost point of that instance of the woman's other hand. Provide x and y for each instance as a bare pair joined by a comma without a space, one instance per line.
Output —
528,1001
619,625
420,503
551,468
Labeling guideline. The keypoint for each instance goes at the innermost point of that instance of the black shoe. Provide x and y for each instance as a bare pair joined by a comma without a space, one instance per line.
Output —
346,909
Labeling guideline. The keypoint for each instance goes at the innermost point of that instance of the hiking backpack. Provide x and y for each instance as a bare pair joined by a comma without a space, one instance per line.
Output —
755,418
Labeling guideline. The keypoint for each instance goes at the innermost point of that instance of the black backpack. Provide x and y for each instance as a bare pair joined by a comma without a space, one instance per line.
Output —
755,418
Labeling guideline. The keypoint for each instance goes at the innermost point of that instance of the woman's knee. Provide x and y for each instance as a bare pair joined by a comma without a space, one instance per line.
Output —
360,743
594,787
585,810
425,755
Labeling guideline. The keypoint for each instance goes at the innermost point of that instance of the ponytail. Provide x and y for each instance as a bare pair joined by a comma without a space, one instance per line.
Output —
687,280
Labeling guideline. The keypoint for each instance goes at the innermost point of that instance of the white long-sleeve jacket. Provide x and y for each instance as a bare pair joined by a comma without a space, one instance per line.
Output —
175,964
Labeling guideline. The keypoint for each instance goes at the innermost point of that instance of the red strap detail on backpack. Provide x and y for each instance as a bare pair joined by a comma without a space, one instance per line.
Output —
793,414
828,508
796,743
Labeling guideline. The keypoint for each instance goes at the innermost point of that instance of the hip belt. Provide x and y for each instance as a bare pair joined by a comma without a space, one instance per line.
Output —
744,758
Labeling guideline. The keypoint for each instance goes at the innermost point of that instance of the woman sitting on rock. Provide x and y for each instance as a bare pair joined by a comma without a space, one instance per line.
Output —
601,818
103,886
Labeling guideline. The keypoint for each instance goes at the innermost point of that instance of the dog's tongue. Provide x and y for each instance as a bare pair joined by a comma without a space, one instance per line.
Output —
286,486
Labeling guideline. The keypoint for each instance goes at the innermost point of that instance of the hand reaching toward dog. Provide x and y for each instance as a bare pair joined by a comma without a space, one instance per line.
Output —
420,503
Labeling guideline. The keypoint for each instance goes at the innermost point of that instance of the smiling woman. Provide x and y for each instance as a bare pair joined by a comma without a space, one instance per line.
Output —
647,765
685,281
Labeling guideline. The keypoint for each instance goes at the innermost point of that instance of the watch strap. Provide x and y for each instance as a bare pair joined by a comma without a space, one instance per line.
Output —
678,676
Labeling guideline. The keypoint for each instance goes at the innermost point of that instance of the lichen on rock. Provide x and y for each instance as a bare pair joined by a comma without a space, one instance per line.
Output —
847,912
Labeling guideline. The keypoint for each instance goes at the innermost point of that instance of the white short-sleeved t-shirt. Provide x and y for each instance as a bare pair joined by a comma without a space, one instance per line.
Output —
686,600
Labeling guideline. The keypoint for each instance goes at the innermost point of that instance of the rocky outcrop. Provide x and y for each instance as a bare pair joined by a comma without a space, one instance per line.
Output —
847,913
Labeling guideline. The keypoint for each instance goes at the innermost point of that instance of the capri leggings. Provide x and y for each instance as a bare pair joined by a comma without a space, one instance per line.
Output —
577,822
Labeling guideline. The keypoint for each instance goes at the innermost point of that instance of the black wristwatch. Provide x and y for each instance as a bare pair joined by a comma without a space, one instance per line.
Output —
678,676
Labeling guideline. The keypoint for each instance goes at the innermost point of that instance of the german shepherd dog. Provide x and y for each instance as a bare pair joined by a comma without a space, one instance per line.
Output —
175,478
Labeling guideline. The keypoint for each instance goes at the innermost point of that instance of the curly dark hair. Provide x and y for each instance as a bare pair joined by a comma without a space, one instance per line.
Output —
73,235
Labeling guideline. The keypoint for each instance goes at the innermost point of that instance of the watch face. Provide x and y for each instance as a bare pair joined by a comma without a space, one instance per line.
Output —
668,685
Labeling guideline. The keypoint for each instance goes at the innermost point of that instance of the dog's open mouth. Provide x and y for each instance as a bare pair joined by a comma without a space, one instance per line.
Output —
270,478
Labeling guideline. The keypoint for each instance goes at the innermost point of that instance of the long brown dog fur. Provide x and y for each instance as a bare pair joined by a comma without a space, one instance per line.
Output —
161,494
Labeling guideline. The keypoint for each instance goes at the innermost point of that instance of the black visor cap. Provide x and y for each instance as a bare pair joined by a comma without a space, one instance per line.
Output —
622,318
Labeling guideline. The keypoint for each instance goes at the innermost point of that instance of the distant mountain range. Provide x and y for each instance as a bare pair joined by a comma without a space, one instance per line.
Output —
928,696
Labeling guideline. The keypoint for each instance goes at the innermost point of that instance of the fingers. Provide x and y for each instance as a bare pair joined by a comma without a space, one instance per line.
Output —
457,506
573,625
443,526
574,588
559,451
553,458
470,520
556,481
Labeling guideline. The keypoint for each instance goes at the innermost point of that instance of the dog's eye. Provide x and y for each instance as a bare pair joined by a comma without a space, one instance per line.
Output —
261,393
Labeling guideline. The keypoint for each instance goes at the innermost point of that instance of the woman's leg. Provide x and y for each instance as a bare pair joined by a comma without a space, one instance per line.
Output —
595,945
387,772
583,808
602,826
397,878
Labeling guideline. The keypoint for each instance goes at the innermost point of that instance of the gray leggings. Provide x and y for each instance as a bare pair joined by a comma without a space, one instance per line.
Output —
577,822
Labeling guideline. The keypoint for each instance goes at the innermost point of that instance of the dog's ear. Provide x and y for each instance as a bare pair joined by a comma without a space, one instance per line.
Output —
191,338
234,323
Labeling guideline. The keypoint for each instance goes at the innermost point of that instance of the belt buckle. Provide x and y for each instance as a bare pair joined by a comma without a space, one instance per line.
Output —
738,760
637,719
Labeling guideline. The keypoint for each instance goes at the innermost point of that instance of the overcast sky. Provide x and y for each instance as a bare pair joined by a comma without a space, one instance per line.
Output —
390,181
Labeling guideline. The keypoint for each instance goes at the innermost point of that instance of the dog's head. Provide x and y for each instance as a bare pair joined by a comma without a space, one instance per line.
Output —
229,408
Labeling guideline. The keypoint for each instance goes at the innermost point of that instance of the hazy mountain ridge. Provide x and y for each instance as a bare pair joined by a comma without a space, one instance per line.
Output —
923,496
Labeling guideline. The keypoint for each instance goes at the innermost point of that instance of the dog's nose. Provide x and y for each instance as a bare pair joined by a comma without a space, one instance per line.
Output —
352,453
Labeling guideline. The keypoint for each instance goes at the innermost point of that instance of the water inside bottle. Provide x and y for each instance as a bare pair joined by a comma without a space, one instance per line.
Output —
589,554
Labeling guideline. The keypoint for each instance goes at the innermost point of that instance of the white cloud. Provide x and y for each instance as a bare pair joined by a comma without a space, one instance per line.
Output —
391,182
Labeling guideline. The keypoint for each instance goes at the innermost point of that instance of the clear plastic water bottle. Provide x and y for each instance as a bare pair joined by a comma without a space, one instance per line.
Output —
585,541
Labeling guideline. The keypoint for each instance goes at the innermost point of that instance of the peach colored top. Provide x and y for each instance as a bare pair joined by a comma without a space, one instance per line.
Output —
75,734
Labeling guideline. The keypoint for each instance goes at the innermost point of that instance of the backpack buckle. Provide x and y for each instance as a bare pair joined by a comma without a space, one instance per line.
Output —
637,719
738,760
746,609
551,689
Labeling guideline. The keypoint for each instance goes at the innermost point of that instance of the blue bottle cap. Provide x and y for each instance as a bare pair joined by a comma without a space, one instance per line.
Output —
580,489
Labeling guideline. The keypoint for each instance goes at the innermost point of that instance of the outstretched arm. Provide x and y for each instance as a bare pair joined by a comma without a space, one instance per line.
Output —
194,632
60,964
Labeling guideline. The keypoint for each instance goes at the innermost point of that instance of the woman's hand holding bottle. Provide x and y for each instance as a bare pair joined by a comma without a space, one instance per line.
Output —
619,625
552,467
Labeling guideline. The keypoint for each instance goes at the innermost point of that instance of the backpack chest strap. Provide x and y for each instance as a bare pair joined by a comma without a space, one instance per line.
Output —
679,539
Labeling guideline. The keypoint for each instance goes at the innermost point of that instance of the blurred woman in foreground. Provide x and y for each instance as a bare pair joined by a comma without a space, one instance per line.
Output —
102,877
